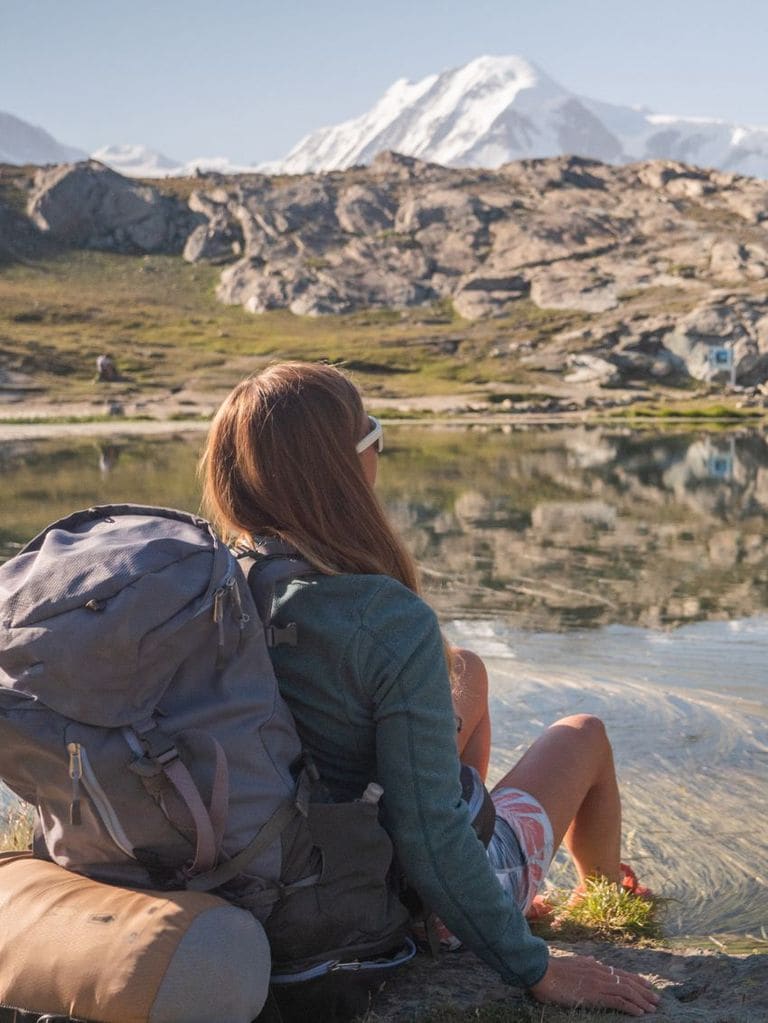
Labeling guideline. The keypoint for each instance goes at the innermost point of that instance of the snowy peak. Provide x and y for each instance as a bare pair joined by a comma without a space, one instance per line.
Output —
438,118
497,109
136,161
22,143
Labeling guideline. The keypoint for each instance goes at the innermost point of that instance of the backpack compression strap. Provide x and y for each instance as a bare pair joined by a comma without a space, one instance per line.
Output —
264,837
157,753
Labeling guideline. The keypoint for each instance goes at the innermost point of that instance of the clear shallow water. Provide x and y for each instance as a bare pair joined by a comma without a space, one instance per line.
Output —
620,573
687,715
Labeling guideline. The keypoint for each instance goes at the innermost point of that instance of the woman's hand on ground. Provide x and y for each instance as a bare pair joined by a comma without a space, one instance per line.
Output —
583,981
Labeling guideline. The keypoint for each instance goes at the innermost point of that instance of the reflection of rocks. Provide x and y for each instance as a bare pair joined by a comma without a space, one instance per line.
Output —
635,528
571,518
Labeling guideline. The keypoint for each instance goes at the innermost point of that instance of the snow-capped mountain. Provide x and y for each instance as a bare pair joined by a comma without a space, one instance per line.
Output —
135,161
497,109
21,142
486,113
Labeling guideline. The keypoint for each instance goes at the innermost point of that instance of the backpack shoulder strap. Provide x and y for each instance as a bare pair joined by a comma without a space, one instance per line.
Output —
265,564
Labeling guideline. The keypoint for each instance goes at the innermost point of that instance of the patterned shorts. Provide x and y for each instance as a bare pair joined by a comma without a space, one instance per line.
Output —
520,850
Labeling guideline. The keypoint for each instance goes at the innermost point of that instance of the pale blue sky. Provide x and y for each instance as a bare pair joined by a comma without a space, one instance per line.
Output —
247,78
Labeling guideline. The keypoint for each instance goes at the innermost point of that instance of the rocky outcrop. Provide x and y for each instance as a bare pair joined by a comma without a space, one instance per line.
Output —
662,266
87,205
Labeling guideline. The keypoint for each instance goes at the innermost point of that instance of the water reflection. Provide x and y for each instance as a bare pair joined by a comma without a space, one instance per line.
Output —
588,526
550,528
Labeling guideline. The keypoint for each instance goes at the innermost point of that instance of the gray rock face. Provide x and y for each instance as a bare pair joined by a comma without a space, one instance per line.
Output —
220,238
90,206
18,237
365,209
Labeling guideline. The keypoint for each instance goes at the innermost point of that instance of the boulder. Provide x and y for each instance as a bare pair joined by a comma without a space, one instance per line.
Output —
721,332
479,295
676,178
285,220
735,261
565,287
748,199
587,368
641,352
218,241
572,518
87,205
450,207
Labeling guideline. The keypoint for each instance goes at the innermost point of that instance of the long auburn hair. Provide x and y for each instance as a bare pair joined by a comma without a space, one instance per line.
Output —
280,461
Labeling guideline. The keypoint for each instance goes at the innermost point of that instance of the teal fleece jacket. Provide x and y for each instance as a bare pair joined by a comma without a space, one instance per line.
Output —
368,686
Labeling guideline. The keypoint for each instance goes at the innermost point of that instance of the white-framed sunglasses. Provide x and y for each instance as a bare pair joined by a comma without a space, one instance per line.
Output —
374,436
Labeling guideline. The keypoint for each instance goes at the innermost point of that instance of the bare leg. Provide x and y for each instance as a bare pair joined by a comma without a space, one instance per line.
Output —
470,702
569,769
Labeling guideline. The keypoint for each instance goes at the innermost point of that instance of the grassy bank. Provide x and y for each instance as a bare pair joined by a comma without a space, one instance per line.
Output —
160,319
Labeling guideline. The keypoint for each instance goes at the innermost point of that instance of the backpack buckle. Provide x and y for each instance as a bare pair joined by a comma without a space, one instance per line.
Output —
288,636
159,747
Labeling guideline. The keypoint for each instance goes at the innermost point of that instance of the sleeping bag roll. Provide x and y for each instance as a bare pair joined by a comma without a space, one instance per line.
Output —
71,946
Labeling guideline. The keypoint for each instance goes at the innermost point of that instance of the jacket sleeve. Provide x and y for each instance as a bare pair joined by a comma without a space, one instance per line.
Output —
402,667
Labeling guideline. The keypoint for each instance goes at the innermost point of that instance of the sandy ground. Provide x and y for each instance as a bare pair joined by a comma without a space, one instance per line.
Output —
695,984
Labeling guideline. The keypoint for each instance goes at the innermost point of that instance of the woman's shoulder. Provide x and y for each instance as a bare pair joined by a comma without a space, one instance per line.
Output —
368,598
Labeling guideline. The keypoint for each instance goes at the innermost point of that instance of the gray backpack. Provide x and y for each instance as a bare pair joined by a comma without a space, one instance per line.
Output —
140,714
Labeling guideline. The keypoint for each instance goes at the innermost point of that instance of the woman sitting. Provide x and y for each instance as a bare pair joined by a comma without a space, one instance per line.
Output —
292,454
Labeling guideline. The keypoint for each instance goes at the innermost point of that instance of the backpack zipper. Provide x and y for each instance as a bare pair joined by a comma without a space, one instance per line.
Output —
227,592
80,770
75,773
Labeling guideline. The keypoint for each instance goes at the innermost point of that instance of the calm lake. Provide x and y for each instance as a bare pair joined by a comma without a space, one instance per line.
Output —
596,569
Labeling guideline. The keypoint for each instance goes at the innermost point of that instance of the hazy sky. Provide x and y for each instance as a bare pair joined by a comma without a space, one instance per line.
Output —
247,78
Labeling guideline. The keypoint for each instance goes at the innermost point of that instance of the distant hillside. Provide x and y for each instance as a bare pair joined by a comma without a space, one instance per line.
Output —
650,271
22,143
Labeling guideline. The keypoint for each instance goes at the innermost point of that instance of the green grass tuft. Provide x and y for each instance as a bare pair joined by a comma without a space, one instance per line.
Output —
604,911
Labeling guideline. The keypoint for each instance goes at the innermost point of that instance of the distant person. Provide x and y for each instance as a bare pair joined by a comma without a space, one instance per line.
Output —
292,455
107,369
